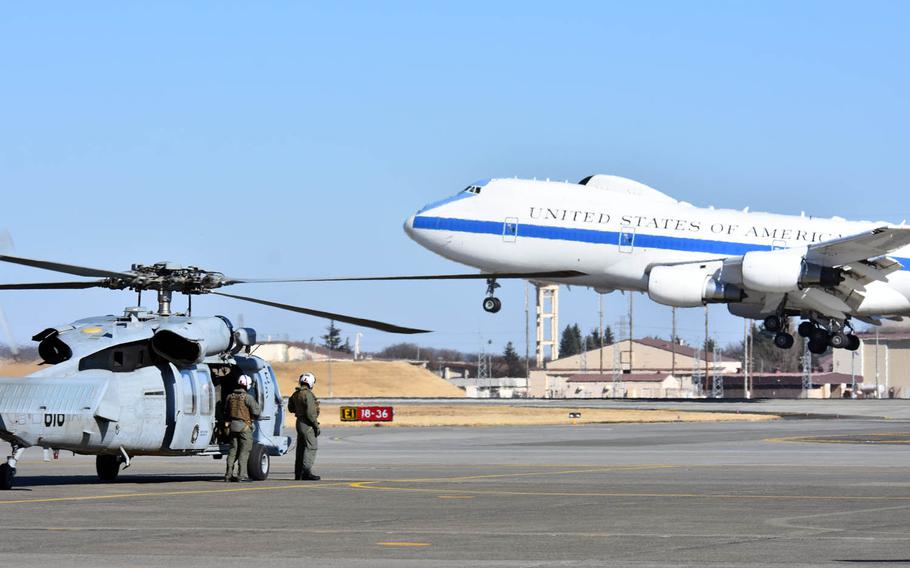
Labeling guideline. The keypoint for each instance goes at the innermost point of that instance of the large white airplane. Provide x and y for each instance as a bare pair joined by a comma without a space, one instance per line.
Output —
612,233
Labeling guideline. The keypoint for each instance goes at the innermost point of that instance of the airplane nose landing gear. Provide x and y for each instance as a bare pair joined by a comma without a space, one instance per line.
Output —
491,303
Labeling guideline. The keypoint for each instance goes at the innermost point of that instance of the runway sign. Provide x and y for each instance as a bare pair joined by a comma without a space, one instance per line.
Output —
367,413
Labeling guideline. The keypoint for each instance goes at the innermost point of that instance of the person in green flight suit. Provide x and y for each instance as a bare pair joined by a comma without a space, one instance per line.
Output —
304,405
241,407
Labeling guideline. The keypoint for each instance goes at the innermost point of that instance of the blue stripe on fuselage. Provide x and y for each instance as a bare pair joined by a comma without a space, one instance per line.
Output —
595,237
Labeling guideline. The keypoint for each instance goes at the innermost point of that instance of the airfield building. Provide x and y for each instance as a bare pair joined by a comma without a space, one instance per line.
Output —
883,360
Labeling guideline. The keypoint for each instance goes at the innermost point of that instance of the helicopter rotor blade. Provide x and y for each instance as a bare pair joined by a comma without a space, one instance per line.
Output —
55,285
471,276
65,268
372,324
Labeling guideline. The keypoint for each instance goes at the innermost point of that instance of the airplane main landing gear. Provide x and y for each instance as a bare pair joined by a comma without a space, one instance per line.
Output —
840,336
8,469
491,303
774,323
783,340
833,333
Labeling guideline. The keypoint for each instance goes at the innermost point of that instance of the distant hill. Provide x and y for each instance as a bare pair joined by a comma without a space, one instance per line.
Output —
352,379
349,378
10,368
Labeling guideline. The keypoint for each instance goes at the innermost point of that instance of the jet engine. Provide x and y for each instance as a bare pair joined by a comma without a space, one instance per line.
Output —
687,286
190,341
781,271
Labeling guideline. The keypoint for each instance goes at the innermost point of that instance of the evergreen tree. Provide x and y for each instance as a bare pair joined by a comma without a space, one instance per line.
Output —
332,338
571,341
609,339
514,365
592,340
766,357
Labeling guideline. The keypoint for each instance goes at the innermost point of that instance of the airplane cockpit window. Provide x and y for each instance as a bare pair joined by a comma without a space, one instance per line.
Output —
472,189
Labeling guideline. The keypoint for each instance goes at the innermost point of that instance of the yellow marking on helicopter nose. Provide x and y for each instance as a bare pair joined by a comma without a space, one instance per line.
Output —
92,330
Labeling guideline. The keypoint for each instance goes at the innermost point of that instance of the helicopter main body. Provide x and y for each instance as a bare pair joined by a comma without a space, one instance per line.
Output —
139,384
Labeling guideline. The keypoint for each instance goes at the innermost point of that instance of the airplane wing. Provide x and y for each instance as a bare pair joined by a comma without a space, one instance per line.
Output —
863,260
860,247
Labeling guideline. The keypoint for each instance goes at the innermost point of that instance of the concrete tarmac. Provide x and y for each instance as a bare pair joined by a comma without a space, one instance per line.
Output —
808,492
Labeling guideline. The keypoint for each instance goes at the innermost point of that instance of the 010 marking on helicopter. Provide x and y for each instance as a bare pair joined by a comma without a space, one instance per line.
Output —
54,420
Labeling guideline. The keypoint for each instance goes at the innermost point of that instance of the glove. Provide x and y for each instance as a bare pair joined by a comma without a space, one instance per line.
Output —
316,430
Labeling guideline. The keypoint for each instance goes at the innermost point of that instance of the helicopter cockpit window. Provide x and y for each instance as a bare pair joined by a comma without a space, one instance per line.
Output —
123,358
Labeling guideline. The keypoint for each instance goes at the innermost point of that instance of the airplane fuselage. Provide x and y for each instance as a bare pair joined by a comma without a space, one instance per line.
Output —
615,230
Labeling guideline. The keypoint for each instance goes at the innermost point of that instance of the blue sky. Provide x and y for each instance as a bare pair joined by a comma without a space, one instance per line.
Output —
277,139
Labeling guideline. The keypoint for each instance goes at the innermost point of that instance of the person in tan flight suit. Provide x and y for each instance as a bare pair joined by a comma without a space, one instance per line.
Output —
304,405
240,407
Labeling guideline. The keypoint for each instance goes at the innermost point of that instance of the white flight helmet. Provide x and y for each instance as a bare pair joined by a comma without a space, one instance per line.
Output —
308,379
245,382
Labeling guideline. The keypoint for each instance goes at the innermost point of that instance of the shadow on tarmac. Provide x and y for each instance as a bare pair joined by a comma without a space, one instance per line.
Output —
24,482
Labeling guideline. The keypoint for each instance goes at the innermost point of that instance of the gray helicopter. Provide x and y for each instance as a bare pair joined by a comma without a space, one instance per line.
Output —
145,383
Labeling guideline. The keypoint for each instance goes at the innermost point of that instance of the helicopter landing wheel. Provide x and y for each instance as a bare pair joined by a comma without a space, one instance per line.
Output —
492,304
7,473
259,464
108,467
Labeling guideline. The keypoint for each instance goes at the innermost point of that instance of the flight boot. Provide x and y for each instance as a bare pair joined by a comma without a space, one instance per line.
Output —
308,475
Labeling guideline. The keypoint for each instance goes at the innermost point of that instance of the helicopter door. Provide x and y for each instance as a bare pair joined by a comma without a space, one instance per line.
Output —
191,415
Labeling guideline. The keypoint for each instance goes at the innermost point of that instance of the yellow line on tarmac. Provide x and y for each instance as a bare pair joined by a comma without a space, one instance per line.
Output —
411,544
456,497
169,493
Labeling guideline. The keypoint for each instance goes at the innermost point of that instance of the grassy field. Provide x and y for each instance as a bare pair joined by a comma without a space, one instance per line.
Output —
12,369
500,415
367,379
363,379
